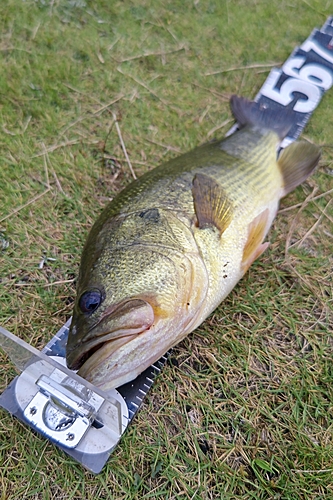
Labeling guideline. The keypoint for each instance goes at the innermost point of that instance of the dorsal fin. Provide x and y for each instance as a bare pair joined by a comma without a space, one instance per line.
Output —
297,162
211,204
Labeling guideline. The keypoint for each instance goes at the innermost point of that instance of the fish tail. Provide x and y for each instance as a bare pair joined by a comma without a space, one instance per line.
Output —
252,113
299,159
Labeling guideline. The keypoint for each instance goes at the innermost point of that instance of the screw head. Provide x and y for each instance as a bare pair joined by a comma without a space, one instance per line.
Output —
70,436
33,410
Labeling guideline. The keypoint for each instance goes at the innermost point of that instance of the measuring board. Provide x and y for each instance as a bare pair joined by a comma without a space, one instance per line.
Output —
84,421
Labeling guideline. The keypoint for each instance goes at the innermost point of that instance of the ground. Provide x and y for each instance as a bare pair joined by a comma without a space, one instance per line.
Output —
244,408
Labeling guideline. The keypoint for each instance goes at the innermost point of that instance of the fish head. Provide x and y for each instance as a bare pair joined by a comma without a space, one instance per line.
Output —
133,303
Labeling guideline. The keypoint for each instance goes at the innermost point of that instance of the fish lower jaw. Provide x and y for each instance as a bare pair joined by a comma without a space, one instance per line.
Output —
121,360
74,363
117,376
98,355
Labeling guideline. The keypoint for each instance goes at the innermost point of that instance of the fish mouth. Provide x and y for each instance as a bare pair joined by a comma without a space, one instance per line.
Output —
117,327
98,356
75,364
94,349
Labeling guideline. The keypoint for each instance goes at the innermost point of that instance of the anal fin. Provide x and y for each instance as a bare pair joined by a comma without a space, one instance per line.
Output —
254,246
211,204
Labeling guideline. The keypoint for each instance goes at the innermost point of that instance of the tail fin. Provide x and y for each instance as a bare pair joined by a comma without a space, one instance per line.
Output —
252,113
299,159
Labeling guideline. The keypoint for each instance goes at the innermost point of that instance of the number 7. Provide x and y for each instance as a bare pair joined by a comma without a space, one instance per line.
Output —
311,45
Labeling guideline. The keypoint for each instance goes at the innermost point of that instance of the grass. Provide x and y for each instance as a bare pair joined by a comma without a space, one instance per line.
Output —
244,408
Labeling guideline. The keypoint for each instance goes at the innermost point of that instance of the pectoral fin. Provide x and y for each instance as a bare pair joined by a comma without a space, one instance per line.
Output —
297,162
254,246
211,204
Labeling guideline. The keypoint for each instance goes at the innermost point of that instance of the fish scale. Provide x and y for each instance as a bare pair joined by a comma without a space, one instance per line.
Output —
211,206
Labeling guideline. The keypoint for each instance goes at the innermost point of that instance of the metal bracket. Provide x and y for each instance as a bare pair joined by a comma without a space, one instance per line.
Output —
60,413
72,413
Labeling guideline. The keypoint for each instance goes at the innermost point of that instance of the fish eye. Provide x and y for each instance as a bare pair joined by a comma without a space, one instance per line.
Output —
90,301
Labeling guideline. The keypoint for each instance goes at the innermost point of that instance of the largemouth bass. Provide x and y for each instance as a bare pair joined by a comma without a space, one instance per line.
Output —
171,246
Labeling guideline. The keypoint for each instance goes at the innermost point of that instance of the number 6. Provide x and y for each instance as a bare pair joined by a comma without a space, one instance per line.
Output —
285,96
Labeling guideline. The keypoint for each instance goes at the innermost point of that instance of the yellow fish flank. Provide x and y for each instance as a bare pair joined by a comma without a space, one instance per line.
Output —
172,245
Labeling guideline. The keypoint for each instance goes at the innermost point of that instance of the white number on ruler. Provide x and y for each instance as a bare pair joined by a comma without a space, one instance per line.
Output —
312,73
285,96
311,45
305,78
